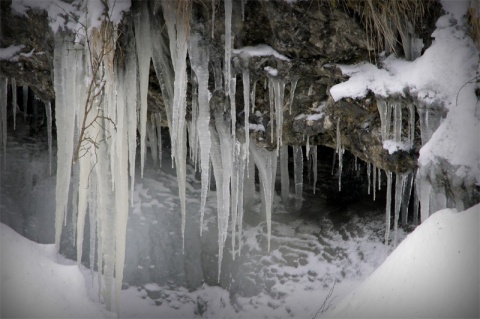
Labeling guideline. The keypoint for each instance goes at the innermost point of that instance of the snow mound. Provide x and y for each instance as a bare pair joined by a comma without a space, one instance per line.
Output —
34,284
433,273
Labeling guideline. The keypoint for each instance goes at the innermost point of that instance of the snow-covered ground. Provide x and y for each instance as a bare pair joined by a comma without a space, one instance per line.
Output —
433,273
35,282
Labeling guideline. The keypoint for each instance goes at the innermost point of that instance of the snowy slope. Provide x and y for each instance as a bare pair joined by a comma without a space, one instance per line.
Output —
433,273
34,284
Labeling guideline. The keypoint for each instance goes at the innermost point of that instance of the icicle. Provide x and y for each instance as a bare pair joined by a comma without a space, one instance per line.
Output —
385,111
228,52
64,79
178,36
298,175
3,117
144,54
130,96
369,168
246,98
241,182
271,100
315,167
266,163
355,164
408,186
279,105
424,188
237,191
293,86
249,187
192,125
222,162
252,95
13,83
25,102
397,127
411,124
121,195
388,206
399,188
340,156
199,60
285,177
48,112
374,183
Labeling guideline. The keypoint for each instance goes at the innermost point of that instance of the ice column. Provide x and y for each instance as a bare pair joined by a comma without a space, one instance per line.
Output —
399,188
298,175
144,53
178,36
369,167
266,163
246,98
199,59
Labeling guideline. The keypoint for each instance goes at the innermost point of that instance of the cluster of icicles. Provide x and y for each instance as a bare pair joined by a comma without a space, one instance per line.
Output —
105,173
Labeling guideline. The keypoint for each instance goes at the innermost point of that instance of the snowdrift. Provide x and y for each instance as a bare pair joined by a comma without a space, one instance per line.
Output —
433,273
34,284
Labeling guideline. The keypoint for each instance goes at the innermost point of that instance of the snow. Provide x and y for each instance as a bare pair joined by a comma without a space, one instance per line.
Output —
37,283
260,50
433,273
10,52
442,77
392,146
57,11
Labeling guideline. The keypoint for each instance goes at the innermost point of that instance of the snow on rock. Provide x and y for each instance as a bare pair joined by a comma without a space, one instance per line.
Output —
392,146
260,50
35,284
10,52
433,273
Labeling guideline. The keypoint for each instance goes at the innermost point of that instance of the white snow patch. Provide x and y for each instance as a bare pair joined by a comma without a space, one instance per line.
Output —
271,71
10,52
433,273
261,50
256,127
392,146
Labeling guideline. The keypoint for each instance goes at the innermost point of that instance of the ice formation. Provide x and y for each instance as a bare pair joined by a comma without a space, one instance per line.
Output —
199,61
266,163
48,112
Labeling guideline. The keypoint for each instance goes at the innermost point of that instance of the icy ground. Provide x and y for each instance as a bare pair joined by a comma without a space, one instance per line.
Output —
307,256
